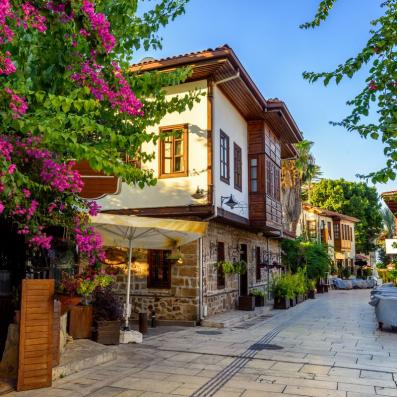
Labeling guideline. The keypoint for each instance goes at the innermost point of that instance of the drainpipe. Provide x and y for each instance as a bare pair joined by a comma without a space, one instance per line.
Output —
201,290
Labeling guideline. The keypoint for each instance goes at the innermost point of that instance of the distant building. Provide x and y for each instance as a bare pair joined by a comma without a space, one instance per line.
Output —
333,229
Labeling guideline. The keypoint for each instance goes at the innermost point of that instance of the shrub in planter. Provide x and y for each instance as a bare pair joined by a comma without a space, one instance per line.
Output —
311,287
108,313
259,297
283,291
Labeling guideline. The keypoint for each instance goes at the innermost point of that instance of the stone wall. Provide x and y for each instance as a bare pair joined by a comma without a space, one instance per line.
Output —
220,300
180,302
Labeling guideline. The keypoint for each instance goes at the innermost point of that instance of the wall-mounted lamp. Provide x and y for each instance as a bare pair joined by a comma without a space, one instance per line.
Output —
199,193
229,201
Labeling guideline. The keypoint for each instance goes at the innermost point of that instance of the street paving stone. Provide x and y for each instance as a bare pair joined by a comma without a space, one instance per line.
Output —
330,348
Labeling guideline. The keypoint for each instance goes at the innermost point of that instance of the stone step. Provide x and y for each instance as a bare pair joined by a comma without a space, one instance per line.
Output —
81,354
235,317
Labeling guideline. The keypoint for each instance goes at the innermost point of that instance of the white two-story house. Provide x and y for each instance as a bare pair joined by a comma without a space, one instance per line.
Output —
224,168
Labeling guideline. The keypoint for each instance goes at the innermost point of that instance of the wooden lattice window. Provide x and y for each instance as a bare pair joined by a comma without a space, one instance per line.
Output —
173,157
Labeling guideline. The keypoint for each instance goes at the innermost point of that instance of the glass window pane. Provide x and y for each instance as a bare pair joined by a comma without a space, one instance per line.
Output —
254,173
178,148
167,149
254,185
167,166
178,164
254,162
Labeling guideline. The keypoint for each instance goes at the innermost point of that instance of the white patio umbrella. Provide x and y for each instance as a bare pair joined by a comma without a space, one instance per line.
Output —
143,232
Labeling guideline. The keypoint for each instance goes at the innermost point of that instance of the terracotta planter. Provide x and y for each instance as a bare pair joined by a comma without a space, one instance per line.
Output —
67,302
281,303
246,303
107,332
259,301
80,322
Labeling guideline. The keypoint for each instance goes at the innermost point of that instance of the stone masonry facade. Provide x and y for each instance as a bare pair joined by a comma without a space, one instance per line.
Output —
221,300
181,301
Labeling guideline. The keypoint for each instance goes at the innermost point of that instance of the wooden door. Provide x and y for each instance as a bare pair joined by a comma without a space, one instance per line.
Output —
35,335
244,277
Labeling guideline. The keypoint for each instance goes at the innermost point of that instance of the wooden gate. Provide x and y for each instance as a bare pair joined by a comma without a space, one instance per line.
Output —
35,335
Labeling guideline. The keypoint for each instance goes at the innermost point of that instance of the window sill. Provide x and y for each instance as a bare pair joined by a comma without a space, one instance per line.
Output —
177,175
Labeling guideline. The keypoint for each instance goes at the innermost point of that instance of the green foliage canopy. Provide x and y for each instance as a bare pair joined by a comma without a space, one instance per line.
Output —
356,199
380,91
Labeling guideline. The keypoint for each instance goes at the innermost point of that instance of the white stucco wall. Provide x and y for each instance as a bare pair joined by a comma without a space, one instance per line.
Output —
172,191
229,120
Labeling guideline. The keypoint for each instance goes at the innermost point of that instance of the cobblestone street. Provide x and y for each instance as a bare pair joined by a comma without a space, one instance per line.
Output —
324,347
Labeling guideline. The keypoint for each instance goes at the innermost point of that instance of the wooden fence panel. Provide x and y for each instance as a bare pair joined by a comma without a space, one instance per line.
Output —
35,335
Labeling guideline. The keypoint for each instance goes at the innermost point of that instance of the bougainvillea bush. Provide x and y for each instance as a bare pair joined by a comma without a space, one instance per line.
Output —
66,95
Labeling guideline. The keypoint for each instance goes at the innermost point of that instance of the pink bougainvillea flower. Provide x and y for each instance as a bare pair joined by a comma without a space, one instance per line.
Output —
41,240
2,207
12,168
100,24
17,104
93,208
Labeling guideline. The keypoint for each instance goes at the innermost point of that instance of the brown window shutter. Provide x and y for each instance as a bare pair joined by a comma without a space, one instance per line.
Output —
35,335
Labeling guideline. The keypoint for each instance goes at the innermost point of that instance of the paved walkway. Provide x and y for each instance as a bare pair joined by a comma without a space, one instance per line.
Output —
328,347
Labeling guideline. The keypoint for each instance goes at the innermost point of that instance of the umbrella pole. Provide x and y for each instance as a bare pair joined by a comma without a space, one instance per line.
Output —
127,307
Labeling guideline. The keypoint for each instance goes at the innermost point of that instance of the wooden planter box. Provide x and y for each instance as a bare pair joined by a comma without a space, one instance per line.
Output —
281,303
325,287
299,299
107,332
292,302
312,294
259,301
320,288
80,322
246,303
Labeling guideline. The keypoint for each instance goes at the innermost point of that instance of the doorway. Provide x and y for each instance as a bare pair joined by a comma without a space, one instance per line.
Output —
244,277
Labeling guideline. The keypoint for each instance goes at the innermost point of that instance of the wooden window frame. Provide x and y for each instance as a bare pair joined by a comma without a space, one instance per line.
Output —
155,284
185,155
226,163
329,227
337,231
257,174
220,274
258,263
311,232
237,167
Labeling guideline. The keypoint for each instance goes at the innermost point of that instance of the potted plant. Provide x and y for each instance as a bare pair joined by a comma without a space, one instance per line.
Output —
67,292
299,285
259,296
107,311
282,291
311,287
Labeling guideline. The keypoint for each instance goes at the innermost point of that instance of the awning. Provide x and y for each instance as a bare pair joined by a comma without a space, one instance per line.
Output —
145,232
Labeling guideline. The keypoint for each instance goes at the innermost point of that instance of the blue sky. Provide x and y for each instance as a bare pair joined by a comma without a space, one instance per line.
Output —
266,38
